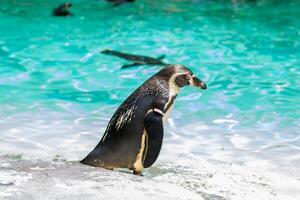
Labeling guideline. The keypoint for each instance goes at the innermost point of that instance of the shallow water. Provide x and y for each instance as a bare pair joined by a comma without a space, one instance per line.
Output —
57,92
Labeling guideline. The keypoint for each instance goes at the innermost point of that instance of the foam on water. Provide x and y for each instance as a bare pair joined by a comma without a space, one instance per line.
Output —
237,140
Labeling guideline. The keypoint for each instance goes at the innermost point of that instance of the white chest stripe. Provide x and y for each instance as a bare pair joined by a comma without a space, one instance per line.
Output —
158,111
155,110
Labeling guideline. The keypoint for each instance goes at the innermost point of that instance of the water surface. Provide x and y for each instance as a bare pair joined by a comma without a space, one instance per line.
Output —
57,92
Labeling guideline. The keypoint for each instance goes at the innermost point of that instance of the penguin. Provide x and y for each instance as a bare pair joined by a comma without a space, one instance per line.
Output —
134,135
137,59
119,2
62,10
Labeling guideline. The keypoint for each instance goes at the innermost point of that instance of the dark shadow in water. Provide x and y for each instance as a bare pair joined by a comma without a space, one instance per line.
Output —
137,60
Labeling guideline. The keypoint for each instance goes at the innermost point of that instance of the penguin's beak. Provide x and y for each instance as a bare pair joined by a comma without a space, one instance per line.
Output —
198,83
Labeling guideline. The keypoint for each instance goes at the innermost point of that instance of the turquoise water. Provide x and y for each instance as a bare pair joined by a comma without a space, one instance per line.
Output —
248,53
57,92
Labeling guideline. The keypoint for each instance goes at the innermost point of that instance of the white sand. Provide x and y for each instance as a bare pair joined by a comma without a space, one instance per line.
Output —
187,178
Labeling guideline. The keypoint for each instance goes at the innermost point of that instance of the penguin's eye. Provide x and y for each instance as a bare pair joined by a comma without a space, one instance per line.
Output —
182,80
188,77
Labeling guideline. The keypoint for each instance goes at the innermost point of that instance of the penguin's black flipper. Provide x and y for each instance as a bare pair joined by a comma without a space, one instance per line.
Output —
131,65
153,124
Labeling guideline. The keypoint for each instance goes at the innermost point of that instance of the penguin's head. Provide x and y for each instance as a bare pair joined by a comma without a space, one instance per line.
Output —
65,6
180,76
68,5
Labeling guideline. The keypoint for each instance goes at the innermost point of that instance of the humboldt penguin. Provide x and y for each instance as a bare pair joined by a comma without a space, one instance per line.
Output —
62,10
136,59
134,135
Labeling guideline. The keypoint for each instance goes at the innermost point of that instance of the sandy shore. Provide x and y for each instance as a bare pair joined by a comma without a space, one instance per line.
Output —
188,178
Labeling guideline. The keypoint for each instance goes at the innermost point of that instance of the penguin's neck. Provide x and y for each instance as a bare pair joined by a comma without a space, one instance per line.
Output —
173,91
173,87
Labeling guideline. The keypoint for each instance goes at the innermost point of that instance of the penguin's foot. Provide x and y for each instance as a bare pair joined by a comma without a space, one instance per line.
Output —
137,172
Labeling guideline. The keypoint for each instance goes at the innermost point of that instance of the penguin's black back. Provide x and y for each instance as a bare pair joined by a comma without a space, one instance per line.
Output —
121,141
